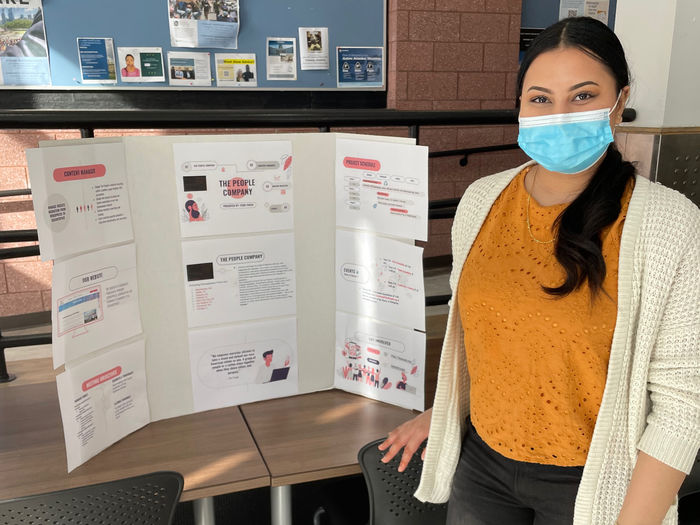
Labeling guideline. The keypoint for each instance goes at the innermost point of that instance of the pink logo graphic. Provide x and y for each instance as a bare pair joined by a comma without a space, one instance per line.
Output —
362,164
92,171
102,378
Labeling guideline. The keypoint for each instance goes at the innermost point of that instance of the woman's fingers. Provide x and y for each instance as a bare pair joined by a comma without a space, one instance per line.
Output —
408,452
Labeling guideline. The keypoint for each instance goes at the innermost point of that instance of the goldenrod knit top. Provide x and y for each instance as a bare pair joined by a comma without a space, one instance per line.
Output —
537,363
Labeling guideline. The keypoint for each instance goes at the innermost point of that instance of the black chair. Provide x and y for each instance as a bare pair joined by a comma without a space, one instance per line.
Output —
149,500
391,500
689,497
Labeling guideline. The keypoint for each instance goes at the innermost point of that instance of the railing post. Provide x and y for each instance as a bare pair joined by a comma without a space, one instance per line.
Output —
414,132
5,376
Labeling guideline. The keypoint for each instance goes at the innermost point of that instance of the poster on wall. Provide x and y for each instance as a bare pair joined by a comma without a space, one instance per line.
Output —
360,66
141,64
204,23
95,302
598,9
24,59
236,70
379,360
382,188
239,278
313,48
380,278
189,68
103,400
97,62
243,363
234,187
281,58
81,199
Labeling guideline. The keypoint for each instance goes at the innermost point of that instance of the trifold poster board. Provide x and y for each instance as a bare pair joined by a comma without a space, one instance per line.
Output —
198,272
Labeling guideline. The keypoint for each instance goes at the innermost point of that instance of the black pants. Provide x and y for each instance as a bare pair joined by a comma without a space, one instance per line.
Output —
490,489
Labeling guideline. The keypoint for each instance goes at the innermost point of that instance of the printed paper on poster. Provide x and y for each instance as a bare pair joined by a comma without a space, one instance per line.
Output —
569,8
360,67
380,278
281,58
236,70
313,48
95,302
379,361
24,57
204,23
382,187
233,187
239,278
598,9
81,200
189,69
97,62
102,401
243,363
141,64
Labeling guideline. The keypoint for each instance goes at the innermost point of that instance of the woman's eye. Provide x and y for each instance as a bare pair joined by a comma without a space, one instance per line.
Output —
540,99
583,96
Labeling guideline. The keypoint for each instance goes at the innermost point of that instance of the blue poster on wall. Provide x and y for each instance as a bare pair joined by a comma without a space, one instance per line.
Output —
24,60
204,23
360,67
97,62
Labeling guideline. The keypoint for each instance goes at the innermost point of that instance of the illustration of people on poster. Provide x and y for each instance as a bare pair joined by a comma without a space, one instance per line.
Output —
379,360
204,23
24,59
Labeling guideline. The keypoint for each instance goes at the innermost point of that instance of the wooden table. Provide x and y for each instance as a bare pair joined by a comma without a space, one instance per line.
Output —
213,450
315,436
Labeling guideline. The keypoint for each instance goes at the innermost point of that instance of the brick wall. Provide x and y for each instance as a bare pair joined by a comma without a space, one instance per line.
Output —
443,55
455,55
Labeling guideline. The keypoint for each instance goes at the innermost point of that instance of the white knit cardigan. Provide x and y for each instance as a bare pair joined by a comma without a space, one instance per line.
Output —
651,400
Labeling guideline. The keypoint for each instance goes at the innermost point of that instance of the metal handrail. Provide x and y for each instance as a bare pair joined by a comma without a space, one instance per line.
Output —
253,118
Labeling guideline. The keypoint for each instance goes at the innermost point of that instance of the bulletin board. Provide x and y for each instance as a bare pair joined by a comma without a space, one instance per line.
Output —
140,23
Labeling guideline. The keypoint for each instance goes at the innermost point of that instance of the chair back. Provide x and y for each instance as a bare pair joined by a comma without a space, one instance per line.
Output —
149,500
691,484
391,500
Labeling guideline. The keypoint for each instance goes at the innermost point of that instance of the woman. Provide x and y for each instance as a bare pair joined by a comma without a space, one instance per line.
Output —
573,335
130,70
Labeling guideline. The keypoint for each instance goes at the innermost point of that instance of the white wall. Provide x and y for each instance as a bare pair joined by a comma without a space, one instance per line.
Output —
646,30
682,100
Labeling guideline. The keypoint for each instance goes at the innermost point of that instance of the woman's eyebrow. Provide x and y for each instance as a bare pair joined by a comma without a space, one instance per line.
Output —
572,88
581,84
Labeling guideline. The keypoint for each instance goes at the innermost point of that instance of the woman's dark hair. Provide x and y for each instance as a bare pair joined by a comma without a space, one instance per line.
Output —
578,246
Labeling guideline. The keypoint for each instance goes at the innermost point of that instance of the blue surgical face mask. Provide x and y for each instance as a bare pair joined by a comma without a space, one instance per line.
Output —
567,142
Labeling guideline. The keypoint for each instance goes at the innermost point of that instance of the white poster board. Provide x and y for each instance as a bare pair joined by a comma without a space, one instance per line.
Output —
271,281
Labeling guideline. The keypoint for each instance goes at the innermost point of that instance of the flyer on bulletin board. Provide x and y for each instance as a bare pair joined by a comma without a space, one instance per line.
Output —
281,58
360,67
313,48
204,23
236,70
597,9
24,59
141,64
97,62
189,68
